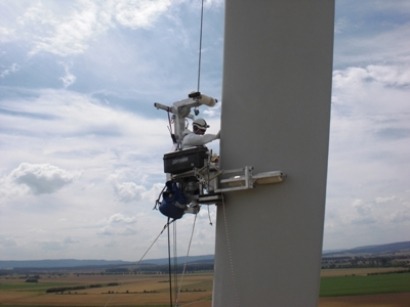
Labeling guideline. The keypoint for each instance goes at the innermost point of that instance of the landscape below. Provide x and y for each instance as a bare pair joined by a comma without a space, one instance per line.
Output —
359,276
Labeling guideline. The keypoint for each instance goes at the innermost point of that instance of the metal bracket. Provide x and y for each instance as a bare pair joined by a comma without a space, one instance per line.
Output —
245,179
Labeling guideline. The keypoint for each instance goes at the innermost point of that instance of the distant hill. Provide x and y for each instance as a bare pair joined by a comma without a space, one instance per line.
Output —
74,263
372,250
59,263
181,260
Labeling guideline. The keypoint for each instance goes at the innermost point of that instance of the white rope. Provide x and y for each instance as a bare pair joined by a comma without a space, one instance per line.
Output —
175,264
143,256
186,261
152,244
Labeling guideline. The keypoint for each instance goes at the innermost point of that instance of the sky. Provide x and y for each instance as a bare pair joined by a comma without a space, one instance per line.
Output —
81,145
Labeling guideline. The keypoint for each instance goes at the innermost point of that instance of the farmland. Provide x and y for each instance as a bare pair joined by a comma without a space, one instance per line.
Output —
387,287
102,290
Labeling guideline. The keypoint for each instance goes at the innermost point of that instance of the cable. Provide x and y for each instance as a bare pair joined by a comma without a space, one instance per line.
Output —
170,130
175,275
186,261
157,202
169,269
173,137
209,217
146,252
200,46
155,240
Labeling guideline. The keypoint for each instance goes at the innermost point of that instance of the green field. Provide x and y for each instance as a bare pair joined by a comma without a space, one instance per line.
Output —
362,285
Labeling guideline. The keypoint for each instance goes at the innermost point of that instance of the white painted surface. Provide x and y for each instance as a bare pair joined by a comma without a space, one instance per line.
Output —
275,116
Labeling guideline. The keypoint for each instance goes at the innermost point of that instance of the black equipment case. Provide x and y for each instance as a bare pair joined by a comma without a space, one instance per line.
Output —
185,160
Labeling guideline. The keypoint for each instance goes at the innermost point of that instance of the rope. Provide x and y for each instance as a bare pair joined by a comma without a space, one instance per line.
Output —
200,46
186,261
146,252
175,276
157,200
209,217
193,228
173,137
153,242
169,269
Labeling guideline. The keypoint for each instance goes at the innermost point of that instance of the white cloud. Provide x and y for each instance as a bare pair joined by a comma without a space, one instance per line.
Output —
138,14
118,225
65,134
368,99
401,216
132,53
387,47
41,178
60,124
129,191
364,220
63,114
121,219
68,79
390,75
69,28
71,36
9,70
6,34
7,242
93,167
368,169
108,147
398,6
385,75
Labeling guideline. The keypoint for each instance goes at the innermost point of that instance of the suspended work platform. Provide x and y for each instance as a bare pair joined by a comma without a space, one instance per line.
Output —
195,165
193,174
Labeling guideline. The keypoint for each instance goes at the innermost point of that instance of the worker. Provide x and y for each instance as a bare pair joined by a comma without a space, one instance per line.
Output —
180,198
197,137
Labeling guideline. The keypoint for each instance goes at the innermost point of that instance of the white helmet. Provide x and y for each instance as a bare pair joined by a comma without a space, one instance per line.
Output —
200,123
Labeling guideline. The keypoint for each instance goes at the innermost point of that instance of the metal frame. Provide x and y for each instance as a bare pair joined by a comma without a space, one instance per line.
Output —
221,181
182,109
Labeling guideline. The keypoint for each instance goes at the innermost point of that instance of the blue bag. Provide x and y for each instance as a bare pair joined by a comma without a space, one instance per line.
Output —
170,197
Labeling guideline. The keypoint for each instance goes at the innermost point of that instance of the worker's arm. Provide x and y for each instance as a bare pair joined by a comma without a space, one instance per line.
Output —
193,139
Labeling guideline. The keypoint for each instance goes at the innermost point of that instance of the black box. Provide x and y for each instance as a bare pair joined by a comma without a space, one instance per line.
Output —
185,160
